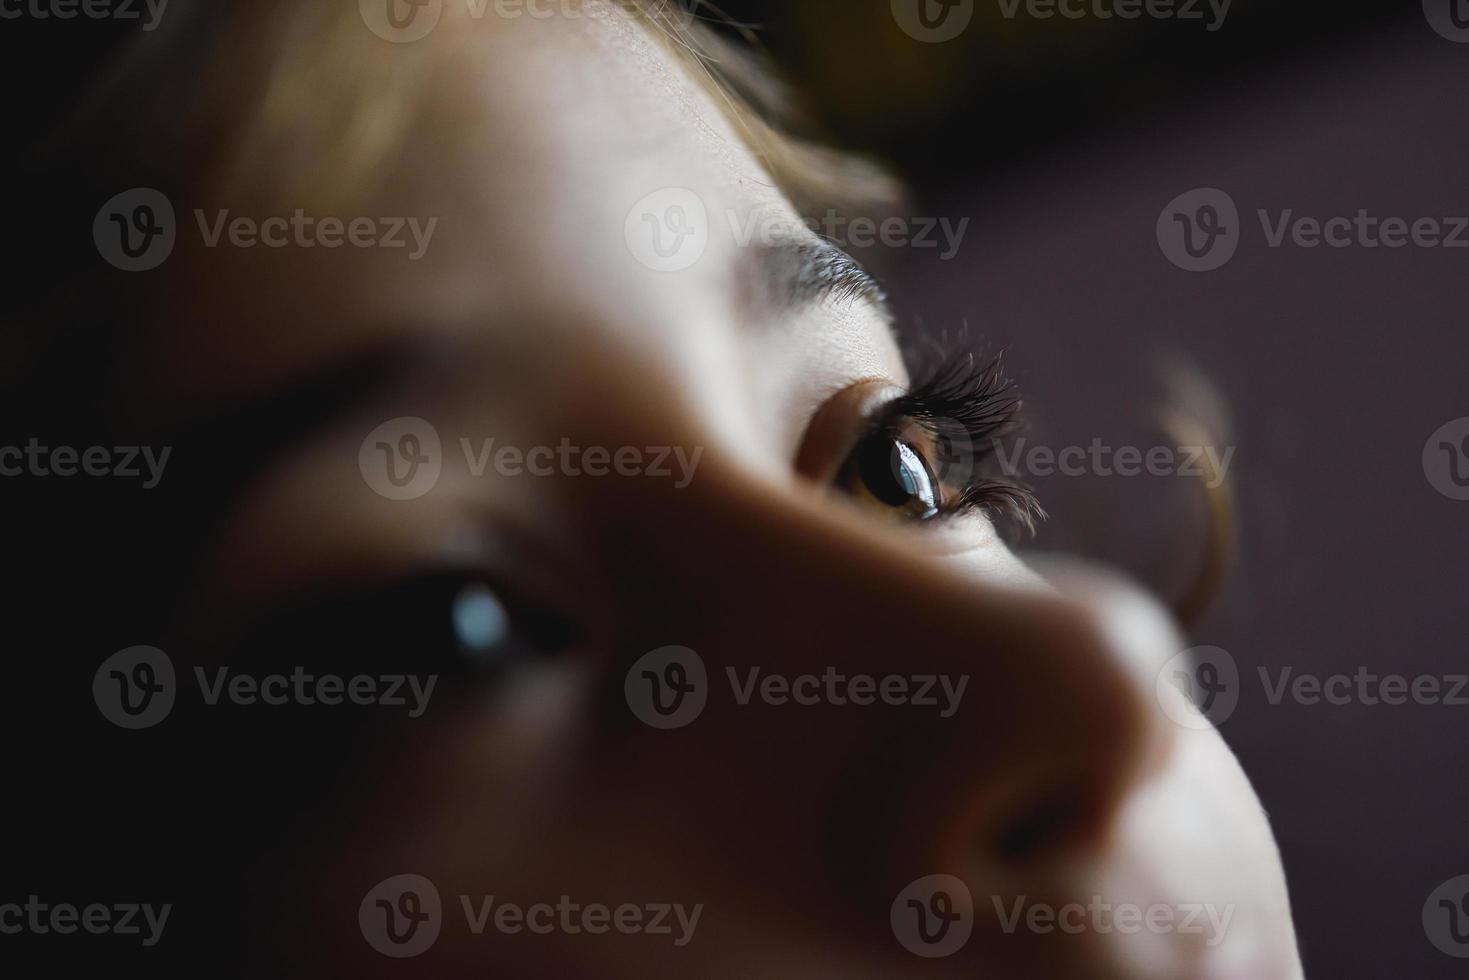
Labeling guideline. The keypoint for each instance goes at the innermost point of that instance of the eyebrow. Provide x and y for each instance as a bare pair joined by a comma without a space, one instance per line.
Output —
793,275
784,277
224,450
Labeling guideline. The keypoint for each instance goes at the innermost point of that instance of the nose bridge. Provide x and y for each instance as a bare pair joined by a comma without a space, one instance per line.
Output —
1035,708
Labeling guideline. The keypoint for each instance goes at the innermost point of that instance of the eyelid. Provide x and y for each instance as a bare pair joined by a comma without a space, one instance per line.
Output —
841,421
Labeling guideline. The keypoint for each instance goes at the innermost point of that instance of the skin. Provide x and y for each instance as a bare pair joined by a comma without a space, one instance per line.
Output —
528,320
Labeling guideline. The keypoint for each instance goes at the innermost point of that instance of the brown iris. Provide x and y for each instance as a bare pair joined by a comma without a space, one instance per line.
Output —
885,470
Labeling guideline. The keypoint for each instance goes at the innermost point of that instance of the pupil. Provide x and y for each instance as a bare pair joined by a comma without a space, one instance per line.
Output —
894,473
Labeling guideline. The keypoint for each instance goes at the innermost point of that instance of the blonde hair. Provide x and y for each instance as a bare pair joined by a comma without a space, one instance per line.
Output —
308,92
302,98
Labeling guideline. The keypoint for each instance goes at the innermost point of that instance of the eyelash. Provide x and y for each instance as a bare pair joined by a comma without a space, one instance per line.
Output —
960,395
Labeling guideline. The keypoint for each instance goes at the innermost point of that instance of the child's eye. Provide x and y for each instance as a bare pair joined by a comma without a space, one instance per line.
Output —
887,471
450,623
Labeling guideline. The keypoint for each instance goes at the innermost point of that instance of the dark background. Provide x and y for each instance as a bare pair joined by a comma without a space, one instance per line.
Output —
1062,141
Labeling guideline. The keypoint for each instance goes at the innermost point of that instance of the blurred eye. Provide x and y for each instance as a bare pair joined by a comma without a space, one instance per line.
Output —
884,470
469,620
455,623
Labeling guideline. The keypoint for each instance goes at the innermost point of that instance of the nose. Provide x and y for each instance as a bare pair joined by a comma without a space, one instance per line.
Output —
1020,721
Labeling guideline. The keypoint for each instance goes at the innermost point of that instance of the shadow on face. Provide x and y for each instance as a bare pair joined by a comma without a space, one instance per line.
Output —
550,516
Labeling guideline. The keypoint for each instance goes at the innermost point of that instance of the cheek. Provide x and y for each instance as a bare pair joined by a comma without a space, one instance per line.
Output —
976,552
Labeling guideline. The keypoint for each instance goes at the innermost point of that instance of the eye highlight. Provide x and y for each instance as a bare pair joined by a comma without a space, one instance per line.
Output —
480,622
886,471
928,453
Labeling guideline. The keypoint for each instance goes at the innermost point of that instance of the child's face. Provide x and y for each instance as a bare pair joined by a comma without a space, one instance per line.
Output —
533,318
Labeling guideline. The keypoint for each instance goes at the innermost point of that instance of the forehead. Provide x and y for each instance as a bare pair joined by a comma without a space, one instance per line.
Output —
534,173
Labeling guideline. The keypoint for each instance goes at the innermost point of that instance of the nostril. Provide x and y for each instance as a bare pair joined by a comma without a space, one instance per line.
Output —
1052,824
